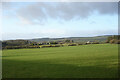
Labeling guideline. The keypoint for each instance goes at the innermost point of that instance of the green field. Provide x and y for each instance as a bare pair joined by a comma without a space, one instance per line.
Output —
84,61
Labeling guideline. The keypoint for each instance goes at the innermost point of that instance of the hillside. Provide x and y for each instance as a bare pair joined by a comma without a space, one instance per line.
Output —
75,39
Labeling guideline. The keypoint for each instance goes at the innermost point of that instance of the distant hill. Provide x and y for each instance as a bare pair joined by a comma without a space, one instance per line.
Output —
75,39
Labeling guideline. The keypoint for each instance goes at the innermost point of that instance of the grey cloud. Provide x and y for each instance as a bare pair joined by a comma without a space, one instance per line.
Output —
38,13
8,6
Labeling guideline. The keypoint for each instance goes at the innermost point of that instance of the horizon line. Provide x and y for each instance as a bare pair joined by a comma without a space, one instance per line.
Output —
56,37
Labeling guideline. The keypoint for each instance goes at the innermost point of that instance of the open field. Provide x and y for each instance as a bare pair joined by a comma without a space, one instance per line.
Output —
85,61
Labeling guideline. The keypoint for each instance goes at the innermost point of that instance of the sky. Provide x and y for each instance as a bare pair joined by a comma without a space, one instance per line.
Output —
28,20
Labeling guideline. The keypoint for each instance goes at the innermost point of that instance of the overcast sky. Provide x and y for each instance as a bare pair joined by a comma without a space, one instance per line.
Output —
27,20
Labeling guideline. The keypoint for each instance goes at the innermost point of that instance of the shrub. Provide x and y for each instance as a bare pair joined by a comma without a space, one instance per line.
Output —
107,41
95,43
117,42
80,44
112,41
72,45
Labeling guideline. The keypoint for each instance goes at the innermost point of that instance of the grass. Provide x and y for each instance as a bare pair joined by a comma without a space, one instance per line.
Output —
85,61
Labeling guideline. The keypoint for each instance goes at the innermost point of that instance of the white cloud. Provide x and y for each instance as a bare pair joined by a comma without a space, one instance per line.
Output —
38,13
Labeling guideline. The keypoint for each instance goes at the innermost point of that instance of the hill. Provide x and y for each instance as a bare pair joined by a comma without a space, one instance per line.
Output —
75,39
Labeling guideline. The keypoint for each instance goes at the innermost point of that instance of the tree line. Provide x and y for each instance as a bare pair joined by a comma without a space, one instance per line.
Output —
115,39
18,44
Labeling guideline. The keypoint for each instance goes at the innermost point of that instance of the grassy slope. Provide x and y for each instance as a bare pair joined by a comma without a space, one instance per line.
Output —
86,61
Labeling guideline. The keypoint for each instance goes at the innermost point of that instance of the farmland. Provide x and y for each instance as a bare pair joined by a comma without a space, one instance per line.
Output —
84,61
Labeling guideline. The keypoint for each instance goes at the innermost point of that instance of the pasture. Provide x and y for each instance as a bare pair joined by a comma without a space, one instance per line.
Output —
84,61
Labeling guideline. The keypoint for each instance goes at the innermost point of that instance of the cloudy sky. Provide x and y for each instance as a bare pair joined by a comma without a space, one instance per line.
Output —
26,20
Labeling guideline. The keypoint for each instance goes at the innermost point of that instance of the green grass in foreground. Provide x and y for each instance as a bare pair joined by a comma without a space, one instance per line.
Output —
85,61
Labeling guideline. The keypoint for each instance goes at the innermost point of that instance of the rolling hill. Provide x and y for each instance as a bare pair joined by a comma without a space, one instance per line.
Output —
75,39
